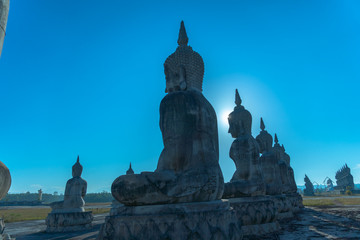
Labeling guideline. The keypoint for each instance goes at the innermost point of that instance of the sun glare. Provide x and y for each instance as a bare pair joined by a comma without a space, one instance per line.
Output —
224,117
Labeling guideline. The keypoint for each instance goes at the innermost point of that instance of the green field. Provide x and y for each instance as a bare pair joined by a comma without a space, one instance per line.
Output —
330,201
25,214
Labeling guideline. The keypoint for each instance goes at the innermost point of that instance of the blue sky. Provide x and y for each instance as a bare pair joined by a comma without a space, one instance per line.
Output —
86,77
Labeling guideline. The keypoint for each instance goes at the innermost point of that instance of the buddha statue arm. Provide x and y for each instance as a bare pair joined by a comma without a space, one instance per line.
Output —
84,188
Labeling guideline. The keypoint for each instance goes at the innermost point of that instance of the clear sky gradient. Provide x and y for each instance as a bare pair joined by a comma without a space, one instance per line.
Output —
86,77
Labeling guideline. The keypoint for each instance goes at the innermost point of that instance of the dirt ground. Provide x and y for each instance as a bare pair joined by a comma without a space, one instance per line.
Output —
331,222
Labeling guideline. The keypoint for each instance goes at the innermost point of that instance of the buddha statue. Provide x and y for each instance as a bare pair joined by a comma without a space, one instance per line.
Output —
247,179
188,168
284,165
75,190
309,187
291,176
268,162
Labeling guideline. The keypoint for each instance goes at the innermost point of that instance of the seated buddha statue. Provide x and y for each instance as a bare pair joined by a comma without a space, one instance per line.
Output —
286,172
291,177
268,162
188,168
75,190
247,179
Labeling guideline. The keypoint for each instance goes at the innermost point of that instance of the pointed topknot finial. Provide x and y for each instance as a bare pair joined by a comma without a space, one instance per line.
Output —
77,168
183,39
276,139
237,98
130,170
262,125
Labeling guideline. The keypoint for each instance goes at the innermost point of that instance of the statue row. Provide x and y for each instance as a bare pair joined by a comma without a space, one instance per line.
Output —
188,168
261,167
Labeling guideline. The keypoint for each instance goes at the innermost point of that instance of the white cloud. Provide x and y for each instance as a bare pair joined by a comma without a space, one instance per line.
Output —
357,166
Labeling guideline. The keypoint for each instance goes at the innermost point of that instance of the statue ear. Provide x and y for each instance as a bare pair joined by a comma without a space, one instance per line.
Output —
182,78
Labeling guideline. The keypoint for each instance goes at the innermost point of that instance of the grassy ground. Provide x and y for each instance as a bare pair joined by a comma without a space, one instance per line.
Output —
25,214
331,201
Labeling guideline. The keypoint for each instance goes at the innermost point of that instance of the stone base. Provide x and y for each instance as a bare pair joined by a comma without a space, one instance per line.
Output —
287,205
68,221
257,215
295,200
283,206
200,220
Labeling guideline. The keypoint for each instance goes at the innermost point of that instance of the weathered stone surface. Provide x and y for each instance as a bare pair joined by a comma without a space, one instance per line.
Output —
5,180
296,202
269,164
75,190
309,187
288,184
5,183
284,206
203,220
4,12
344,179
247,179
257,215
68,221
287,205
188,168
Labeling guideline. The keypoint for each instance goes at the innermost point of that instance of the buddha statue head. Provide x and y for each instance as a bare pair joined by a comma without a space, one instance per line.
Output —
264,139
184,69
286,156
277,149
240,119
77,168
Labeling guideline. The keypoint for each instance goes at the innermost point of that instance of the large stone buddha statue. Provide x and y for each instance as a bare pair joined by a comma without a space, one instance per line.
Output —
268,162
188,168
247,179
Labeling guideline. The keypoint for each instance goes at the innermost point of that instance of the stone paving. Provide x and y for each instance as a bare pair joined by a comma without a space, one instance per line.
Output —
335,222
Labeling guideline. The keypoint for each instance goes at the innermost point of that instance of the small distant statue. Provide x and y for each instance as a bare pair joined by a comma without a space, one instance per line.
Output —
247,179
40,192
309,187
75,191
329,185
344,179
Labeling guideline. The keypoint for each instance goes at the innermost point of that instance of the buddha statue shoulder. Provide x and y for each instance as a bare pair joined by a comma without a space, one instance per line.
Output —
188,168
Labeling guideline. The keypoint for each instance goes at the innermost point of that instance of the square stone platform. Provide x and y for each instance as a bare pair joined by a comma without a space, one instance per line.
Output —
257,215
68,221
198,220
